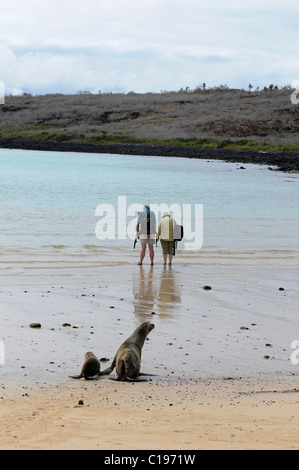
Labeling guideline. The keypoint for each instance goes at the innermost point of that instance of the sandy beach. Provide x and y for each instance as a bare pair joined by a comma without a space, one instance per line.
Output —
151,416
221,357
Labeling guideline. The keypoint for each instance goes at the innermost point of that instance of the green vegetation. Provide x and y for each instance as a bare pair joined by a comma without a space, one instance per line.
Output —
54,134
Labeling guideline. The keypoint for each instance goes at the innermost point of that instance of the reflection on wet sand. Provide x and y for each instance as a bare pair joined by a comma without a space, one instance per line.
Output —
144,292
155,292
169,292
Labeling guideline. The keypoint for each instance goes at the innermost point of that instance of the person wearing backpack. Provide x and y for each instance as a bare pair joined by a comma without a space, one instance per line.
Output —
166,235
146,232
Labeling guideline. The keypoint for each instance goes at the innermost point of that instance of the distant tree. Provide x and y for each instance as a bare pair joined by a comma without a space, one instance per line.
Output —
250,88
271,87
200,88
222,88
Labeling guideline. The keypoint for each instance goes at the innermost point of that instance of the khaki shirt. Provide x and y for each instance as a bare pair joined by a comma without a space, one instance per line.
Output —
165,231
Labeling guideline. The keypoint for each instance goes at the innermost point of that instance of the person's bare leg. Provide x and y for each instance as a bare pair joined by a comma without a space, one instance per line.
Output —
152,253
165,259
170,259
142,253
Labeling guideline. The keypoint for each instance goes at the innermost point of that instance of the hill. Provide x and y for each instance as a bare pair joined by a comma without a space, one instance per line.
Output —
216,118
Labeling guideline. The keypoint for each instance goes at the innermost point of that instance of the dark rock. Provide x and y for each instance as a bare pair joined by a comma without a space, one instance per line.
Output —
285,161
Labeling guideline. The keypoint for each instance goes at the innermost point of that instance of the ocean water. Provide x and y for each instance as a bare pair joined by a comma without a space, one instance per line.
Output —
48,204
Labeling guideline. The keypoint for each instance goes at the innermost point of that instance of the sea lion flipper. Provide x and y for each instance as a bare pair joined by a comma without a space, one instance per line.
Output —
75,377
109,370
147,375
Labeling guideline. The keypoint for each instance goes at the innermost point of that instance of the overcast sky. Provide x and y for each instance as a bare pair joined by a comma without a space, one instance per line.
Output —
146,45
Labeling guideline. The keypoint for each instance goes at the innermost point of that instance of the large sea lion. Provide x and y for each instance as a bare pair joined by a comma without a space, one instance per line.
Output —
127,360
91,368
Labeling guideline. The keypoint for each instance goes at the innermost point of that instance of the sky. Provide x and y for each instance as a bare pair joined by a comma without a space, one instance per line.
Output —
63,46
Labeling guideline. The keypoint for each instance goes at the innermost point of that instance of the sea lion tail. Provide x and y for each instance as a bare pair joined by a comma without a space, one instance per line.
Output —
123,370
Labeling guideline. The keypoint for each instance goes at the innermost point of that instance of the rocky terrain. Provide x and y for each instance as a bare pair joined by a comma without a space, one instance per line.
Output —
236,125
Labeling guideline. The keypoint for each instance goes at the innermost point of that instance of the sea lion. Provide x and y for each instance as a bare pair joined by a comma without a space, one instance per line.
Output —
91,368
128,357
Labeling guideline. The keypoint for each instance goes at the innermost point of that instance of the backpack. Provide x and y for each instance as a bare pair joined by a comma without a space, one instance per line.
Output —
145,223
178,233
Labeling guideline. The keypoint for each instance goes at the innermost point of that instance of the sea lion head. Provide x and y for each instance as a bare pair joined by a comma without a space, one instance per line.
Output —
147,327
89,354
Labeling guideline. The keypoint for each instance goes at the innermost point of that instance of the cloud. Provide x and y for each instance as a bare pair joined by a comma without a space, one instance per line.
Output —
67,45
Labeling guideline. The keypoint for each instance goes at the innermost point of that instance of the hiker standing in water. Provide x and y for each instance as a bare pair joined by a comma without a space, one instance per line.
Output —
146,230
166,236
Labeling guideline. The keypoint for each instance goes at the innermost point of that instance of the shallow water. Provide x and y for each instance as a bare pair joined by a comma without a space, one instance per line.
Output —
48,203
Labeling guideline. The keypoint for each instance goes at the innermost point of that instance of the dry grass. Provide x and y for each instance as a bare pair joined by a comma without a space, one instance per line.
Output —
265,116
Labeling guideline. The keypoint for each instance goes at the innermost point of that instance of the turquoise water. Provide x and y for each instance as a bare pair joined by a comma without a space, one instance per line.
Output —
48,204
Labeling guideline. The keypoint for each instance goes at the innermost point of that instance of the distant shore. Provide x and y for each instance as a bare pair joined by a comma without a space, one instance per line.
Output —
282,161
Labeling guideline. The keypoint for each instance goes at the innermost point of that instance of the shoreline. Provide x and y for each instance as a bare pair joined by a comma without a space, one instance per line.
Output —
284,161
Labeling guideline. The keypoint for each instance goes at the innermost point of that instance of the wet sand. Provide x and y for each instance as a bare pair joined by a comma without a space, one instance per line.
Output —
215,353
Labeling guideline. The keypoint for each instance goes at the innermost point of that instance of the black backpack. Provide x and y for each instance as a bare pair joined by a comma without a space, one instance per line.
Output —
178,233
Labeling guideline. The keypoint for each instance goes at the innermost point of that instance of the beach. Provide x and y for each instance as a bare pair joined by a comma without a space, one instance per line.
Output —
114,118
151,416
223,356
228,383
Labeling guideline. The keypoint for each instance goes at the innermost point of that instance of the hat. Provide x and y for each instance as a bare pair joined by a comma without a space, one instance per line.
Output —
165,214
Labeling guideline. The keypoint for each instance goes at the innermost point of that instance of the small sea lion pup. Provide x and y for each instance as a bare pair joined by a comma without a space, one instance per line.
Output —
128,357
91,368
